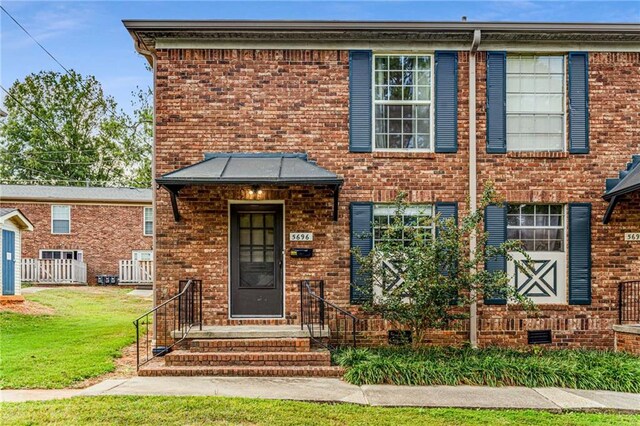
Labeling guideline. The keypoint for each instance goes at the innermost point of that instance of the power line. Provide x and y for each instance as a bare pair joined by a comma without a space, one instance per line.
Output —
49,126
113,111
33,38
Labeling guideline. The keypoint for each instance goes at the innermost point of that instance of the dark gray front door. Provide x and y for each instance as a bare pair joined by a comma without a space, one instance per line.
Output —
256,260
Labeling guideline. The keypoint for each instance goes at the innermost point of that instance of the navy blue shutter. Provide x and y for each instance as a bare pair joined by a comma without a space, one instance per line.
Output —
578,103
360,101
446,101
495,224
579,254
361,237
448,210
496,102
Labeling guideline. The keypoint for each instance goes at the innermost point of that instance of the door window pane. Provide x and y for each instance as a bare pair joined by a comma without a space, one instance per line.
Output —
536,226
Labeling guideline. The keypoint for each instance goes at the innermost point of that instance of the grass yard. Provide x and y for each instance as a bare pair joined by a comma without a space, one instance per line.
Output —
79,340
215,410
579,369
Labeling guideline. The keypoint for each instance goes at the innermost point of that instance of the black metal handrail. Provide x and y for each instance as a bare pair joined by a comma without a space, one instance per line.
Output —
328,324
629,302
183,311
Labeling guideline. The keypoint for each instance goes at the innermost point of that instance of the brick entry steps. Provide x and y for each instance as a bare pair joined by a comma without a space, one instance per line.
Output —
281,351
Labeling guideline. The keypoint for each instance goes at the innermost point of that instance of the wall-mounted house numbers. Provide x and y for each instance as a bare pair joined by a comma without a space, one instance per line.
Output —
301,236
632,236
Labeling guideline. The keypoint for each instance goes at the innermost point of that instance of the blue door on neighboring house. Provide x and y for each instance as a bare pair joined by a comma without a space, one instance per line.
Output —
8,262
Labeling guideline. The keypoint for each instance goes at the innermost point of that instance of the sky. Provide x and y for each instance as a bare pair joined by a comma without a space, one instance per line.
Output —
88,36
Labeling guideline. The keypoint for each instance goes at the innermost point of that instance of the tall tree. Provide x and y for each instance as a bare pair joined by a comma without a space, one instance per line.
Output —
62,129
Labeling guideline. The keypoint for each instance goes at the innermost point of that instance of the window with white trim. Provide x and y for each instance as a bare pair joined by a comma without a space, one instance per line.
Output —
540,227
535,103
61,254
402,109
142,255
148,221
416,216
60,219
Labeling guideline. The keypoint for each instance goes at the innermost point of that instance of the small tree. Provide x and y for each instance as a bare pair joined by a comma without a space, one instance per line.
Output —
421,280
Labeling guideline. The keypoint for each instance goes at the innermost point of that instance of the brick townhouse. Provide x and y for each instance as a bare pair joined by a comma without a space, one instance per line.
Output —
82,232
275,136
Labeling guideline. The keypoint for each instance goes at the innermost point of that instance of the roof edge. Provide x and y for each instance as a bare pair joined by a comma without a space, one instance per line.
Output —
336,25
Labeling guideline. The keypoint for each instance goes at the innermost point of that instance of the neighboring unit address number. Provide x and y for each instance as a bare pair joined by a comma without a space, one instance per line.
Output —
632,236
301,236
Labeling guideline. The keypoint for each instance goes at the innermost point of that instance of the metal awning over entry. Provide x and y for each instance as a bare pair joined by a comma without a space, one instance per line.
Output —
628,182
273,169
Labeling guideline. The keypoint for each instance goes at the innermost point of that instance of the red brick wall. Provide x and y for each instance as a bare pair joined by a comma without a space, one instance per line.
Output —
105,233
627,342
614,132
297,101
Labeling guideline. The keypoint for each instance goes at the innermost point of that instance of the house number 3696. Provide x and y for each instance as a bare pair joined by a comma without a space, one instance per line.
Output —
301,236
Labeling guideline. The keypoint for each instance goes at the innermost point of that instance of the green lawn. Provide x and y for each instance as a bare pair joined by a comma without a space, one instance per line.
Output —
215,410
80,340
580,369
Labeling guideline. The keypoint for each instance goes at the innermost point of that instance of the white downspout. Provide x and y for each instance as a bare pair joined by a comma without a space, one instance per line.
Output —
154,62
473,177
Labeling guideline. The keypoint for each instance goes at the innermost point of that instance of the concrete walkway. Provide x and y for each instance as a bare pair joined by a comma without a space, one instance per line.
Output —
335,390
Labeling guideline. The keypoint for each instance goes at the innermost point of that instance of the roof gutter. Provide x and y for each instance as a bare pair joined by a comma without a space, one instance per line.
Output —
284,25
473,177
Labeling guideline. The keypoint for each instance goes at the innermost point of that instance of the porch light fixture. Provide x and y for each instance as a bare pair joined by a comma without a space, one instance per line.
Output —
255,190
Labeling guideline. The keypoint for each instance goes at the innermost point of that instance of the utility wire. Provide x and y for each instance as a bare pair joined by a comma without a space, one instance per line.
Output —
113,111
33,38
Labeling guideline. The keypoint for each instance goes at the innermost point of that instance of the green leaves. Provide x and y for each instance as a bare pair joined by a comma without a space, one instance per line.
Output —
576,369
422,280
62,129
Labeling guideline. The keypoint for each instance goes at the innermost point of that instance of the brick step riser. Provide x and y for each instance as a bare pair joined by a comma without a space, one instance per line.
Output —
251,345
245,363
322,358
272,372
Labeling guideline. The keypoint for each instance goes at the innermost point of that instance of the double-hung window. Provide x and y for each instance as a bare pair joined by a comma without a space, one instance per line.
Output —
148,221
402,110
60,219
541,228
535,103
415,216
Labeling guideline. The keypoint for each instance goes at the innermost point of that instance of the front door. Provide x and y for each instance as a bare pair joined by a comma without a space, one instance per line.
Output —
256,260
8,262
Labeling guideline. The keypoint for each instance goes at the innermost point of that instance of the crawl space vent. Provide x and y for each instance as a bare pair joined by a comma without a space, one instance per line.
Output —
539,337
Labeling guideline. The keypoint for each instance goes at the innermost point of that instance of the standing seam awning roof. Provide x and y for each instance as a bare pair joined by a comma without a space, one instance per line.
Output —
279,169
251,169
629,183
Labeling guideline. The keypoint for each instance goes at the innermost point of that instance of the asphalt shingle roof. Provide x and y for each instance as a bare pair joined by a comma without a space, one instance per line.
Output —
74,193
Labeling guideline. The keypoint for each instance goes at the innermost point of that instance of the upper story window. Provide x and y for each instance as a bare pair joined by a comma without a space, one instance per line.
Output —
539,227
402,110
535,103
416,216
148,221
60,219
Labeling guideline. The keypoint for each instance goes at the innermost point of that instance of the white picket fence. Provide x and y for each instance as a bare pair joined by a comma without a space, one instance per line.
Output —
54,271
136,271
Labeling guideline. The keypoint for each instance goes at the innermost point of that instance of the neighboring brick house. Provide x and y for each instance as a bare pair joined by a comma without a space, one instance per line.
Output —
264,129
82,232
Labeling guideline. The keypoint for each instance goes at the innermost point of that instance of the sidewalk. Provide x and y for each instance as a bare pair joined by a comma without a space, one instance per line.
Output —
335,390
